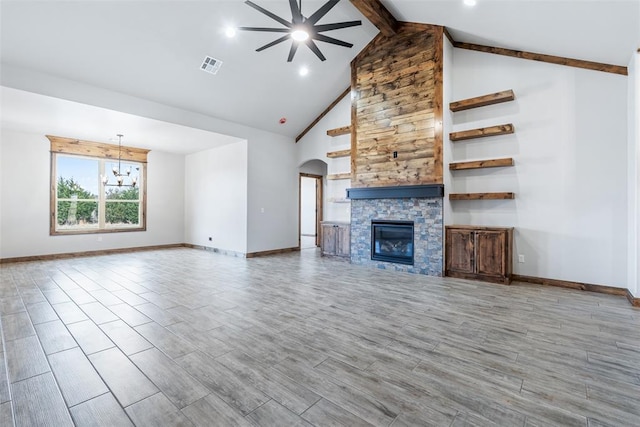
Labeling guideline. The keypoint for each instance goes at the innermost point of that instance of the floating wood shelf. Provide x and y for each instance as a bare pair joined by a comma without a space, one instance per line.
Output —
339,176
339,131
481,101
481,196
482,132
478,164
339,200
340,153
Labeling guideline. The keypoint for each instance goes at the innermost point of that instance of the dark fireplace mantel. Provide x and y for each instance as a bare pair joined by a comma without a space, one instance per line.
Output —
398,192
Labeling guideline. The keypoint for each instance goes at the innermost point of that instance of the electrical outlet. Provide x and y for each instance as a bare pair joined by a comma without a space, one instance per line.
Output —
521,258
261,210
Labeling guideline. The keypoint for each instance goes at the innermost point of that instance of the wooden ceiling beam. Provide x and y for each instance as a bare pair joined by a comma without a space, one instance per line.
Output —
378,15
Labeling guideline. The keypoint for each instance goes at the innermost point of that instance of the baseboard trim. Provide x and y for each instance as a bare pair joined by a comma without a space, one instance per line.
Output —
272,252
633,300
52,257
216,250
601,289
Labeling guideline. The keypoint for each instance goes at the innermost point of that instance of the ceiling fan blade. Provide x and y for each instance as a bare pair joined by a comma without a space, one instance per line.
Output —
269,14
327,39
269,30
273,43
322,11
336,26
314,49
296,13
292,51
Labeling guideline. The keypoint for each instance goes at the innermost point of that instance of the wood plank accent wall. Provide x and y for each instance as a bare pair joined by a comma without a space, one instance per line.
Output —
396,109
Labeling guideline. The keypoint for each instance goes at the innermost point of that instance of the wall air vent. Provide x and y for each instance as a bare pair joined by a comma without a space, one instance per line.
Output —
211,65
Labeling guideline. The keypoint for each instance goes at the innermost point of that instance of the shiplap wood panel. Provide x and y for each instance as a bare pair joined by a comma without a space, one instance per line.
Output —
396,109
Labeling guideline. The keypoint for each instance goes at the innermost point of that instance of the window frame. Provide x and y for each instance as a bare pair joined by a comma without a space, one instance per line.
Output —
103,153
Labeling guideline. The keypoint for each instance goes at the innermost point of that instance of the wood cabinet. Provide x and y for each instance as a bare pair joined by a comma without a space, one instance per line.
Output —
482,253
336,239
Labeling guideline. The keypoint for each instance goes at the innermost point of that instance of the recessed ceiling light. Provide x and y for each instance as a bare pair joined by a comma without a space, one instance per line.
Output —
470,2
230,32
303,71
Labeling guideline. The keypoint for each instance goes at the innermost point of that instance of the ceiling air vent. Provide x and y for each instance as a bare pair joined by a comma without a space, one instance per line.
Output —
211,65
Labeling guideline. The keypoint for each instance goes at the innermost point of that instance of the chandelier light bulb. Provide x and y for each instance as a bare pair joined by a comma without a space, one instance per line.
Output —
117,171
299,35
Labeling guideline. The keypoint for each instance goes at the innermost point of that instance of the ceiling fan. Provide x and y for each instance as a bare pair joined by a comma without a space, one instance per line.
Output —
302,29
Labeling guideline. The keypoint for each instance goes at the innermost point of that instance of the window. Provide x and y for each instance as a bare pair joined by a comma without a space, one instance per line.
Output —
81,203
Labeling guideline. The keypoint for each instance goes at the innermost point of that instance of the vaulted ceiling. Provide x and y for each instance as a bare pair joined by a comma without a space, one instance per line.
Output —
153,49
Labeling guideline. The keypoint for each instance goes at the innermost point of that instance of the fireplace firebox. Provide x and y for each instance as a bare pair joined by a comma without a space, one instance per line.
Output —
392,241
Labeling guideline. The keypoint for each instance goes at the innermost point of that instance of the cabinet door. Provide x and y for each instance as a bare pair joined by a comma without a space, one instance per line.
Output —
490,252
460,253
343,246
329,237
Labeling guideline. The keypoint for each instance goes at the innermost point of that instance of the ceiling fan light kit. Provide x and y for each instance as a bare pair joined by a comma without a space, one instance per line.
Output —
302,29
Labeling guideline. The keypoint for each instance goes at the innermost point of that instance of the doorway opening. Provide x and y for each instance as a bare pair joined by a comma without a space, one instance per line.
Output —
310,209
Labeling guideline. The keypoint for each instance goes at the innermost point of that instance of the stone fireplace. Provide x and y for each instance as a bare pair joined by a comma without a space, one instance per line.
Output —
420,205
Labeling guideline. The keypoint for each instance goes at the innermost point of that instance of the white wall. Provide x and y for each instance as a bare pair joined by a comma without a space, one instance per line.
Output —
272,183
316,144
633,174
570,176
447,122
272,208
24,202
216,198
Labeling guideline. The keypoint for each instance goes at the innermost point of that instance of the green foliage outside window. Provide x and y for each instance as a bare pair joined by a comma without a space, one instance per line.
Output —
86,211
122,212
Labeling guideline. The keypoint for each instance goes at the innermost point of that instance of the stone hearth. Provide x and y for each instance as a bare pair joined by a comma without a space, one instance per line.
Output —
425,212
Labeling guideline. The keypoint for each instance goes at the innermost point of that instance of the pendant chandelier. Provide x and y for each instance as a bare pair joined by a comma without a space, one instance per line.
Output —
121,178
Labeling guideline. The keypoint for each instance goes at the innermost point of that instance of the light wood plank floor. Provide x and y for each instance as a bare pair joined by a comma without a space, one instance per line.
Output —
188,337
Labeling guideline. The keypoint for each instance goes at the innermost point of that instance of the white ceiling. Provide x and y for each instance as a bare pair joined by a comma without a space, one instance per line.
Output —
44,115
153,49
605,31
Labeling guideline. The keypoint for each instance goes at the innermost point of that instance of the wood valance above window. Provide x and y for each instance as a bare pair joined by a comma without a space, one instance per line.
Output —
96,149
